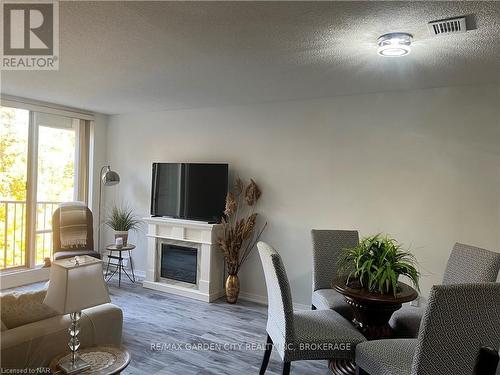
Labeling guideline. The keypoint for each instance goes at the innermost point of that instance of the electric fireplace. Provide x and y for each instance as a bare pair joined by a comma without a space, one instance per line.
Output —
179,263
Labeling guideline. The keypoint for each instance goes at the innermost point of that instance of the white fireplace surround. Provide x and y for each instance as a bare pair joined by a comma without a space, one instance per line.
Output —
200,235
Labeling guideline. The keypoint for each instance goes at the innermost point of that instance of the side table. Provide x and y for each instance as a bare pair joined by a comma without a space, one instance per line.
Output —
119,267
103,360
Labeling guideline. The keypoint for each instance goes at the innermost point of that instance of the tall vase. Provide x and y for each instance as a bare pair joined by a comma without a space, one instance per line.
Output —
232,288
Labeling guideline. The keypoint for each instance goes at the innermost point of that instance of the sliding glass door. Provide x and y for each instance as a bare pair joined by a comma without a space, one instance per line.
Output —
40,169
56,175
14,133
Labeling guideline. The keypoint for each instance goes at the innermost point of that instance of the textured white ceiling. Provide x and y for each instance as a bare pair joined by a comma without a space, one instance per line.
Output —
120,57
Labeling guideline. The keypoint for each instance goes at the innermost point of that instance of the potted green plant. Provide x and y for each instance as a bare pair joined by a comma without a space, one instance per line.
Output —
376,264
122,220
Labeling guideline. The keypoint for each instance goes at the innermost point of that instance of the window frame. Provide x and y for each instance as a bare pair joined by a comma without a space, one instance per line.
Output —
83,165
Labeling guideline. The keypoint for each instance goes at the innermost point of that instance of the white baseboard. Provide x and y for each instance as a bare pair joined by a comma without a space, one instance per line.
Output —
261,300
140,274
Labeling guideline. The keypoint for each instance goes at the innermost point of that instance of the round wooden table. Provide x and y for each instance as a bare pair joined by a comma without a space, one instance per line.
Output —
103,360
372,312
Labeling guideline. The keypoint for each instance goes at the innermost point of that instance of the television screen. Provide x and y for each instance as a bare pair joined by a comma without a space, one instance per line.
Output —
193,191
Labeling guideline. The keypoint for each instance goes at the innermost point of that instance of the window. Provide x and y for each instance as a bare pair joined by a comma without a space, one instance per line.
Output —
43,163
13,172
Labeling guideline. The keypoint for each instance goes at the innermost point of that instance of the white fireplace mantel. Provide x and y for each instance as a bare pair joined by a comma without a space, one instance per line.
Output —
195,234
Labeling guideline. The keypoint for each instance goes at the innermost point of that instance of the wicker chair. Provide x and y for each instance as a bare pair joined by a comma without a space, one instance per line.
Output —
301,335
459,321
327,245
467,264
61,252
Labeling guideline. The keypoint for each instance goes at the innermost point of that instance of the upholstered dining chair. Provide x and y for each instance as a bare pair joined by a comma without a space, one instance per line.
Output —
459,320
327,247
301,335
72,231
467,264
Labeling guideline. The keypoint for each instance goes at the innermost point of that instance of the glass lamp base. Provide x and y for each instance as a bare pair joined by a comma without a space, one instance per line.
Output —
68,367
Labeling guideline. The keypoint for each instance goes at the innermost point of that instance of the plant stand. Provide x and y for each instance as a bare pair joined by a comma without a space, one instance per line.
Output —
119,266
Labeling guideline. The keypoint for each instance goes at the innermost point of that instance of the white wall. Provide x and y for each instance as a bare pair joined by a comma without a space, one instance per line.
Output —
421,165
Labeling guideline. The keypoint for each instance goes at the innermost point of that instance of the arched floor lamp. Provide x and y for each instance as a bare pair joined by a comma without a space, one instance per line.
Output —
109,178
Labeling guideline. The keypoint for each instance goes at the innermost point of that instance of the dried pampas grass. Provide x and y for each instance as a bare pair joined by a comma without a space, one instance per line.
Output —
252,193
239,226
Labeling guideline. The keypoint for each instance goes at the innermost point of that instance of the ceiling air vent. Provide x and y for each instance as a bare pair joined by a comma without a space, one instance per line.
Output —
447,26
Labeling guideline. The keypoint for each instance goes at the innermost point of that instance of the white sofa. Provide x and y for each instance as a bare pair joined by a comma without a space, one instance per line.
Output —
34,343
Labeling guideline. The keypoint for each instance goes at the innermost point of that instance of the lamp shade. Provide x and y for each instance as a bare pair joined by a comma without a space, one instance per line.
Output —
76,284
110,178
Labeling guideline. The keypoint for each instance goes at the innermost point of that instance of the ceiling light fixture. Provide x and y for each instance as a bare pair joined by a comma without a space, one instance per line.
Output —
394,44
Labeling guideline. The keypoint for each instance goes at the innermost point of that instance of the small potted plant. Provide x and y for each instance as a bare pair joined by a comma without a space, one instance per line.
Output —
376,264
122,220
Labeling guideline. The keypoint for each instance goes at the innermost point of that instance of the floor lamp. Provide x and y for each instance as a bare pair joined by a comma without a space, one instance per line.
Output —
109,178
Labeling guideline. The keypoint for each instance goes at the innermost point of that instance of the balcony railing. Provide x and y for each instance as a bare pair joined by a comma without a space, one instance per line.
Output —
13,238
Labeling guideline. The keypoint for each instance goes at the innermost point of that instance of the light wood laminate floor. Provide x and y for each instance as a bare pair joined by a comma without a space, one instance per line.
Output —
220,336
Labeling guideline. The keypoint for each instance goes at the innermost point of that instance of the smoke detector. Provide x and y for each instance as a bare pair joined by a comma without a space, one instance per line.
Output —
447,26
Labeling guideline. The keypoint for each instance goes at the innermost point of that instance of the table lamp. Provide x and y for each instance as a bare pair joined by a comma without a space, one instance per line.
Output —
75,284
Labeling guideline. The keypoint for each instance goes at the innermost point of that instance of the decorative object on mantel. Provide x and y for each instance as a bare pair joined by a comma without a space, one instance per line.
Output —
239,232
376,264
122,220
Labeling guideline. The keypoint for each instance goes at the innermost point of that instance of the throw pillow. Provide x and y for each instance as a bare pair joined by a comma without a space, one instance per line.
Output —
18,309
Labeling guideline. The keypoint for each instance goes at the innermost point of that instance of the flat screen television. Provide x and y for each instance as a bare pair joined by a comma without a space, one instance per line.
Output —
193,191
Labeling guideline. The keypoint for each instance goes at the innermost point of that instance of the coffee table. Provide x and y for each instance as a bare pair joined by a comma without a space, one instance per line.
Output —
103,360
